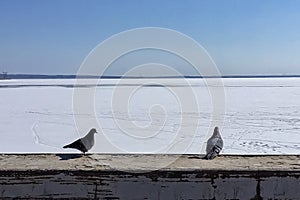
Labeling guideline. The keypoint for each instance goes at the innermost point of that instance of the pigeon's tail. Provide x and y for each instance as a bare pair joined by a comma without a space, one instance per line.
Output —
74,145
77,145
214,152
67,146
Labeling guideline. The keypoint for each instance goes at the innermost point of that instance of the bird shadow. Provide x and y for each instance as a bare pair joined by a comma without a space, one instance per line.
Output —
69,156
197,157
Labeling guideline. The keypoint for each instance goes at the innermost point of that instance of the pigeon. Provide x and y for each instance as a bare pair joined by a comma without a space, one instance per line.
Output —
83,144
214,145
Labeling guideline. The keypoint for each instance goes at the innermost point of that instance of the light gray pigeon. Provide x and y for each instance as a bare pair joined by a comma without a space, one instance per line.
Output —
214,145
83,144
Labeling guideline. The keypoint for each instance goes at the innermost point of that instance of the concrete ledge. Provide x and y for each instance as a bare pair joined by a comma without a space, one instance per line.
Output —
132,177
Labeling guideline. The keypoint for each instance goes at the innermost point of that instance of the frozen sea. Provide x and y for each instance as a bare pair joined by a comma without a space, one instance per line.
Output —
262,115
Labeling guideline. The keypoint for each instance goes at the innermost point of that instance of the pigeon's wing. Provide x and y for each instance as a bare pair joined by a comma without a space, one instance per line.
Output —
220,143
215,150
212,154
77,145
211,143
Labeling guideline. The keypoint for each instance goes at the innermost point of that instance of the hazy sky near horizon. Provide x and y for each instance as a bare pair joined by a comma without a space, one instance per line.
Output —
242,37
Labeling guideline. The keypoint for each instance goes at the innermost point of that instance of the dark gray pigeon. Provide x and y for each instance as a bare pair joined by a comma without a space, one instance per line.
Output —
214,145
83,144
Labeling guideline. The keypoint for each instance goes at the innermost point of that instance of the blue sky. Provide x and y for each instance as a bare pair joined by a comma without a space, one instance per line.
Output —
242,37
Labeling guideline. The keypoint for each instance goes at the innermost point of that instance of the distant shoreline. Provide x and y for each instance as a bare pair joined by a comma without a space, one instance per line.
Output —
42,76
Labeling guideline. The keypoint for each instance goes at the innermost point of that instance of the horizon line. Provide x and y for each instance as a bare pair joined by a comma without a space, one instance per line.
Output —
73,76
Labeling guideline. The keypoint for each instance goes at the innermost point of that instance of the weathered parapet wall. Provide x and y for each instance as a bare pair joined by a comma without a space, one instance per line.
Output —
132,177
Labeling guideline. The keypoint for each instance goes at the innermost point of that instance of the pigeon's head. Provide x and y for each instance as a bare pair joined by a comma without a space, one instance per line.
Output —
93,130
216,131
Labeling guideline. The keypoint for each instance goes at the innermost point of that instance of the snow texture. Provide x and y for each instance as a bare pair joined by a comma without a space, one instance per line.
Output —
262,116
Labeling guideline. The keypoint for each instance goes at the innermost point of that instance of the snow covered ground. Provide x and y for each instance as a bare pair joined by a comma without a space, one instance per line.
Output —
262,116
